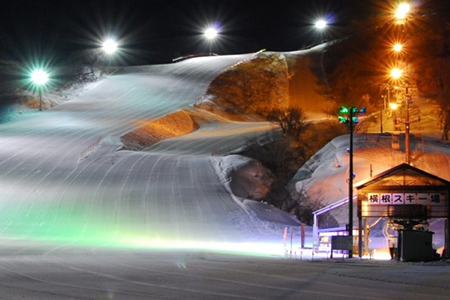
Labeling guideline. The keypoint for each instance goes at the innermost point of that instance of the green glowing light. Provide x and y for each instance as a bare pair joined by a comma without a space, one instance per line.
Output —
342,119
74,224
343,110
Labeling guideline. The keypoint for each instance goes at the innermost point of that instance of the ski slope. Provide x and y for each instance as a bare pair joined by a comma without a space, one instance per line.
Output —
65,178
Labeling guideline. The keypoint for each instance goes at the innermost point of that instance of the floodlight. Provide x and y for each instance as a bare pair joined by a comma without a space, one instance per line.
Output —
211,33
393,106
398,47
402,11
110,46
39,77
321,24
396,73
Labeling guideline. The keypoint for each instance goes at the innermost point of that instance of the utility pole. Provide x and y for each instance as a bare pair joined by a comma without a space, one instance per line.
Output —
350,183
40,98
407,146
381,121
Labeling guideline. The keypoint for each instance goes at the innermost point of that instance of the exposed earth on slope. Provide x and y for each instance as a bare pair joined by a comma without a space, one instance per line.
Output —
150,132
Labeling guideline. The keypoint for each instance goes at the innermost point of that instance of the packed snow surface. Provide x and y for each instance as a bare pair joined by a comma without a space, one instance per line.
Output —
69,273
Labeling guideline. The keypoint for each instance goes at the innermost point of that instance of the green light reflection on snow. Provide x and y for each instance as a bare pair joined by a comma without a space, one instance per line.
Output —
77,226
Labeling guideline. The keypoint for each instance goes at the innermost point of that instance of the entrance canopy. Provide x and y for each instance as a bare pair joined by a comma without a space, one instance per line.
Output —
404,192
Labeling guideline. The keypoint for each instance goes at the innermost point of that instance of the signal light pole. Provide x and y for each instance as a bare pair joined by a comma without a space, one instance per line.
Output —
352,117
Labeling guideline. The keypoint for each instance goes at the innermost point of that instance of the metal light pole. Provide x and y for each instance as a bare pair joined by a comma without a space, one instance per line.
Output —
210,34
381,121
401,15
40,78
350,182
352,117
397,74
40,98
407,156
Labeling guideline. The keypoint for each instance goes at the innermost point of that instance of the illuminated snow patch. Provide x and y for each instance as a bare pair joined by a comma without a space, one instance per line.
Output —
257,249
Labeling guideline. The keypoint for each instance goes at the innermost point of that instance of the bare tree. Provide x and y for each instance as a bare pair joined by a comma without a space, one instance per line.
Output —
292,121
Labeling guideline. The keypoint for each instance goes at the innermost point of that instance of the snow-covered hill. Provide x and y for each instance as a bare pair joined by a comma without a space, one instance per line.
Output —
66,177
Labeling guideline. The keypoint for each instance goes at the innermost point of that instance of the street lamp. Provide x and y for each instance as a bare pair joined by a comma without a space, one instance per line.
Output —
393,106
401,14
396,73
402,11
40,78
398,47
211,34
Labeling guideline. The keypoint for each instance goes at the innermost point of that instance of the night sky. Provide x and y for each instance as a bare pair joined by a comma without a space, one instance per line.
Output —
157,31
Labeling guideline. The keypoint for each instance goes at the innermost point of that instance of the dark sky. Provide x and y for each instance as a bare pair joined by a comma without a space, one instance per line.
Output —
159,30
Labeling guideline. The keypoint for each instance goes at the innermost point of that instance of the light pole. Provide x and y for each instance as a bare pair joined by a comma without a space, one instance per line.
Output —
401,14
40,78
397,74
321,26
350,117
109,47
211,34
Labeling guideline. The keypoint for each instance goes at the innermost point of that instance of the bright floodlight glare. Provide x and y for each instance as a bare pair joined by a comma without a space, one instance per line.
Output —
110,46
396,73
398,47
321,24
402,11
39,77
210,33
393,106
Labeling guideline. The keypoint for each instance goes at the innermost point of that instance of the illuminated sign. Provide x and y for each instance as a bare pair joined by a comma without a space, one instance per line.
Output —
405,198
418,204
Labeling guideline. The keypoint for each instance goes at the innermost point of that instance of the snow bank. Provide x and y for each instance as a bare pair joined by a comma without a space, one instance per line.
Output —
247,178
325,174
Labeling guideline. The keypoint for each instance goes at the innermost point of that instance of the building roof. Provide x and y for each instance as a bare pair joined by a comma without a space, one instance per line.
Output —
404,175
